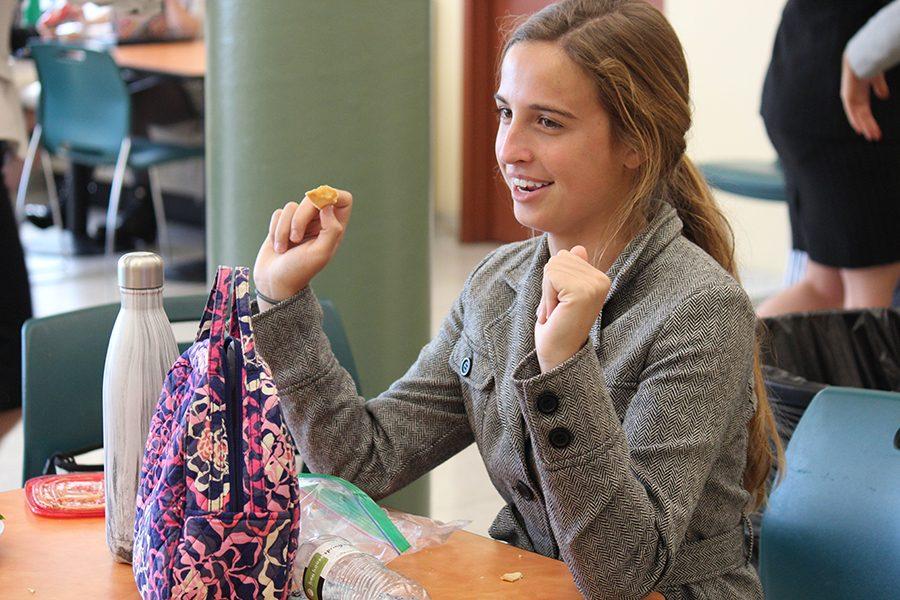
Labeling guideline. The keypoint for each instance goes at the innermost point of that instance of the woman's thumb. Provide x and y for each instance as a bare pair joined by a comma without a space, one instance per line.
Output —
331,227
580,252
879,83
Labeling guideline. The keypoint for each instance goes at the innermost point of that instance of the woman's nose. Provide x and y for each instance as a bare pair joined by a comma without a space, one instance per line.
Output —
512,145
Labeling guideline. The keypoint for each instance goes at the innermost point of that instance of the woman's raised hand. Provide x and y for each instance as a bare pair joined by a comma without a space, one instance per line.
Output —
573,295
857,100
301,241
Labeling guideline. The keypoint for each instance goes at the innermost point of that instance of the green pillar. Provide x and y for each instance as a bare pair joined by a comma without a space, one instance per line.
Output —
301,93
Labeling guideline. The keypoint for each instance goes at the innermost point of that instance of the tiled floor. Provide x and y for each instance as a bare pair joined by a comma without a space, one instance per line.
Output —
460,487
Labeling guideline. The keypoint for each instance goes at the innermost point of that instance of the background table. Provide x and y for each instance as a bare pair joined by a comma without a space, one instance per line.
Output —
67,558
179,59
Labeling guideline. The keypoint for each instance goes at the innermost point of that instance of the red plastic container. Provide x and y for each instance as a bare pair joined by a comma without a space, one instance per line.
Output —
66,496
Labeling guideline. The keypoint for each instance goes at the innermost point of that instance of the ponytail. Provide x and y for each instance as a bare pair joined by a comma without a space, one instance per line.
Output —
706,226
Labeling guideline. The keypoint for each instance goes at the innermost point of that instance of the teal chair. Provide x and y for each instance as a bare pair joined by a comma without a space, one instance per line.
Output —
754,179
84,114
62,366
831,529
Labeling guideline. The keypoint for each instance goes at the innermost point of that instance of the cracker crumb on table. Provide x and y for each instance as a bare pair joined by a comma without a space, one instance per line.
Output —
511,577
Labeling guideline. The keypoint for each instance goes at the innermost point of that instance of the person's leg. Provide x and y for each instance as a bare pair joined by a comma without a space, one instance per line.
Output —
821,288
15,298
871,287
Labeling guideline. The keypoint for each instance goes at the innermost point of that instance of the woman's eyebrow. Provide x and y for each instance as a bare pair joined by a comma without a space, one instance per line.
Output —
541,107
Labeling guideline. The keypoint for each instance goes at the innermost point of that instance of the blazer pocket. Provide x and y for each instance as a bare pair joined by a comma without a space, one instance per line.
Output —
473,366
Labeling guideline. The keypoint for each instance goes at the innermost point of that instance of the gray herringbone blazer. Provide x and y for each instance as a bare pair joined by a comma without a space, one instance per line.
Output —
625,461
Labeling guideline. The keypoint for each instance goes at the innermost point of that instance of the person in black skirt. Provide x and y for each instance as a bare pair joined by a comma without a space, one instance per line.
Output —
843,186
15,300
15,296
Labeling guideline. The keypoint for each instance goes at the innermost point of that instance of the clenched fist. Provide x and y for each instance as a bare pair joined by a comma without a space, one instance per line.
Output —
573,293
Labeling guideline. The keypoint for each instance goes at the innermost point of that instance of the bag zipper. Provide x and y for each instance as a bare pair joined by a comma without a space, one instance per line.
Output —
234,414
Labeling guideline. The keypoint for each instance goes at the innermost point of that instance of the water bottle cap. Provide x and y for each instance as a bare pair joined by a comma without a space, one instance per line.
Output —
140,271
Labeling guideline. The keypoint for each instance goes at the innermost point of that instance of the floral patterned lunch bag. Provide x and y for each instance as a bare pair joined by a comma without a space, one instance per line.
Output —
217,507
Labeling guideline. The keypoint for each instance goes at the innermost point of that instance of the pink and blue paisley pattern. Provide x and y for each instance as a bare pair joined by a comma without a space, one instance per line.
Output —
188,542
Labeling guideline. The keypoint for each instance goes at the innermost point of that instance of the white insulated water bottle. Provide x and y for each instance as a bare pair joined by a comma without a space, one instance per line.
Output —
141,351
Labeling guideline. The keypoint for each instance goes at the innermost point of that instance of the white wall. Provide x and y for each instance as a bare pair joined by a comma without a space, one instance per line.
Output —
728,45
446,107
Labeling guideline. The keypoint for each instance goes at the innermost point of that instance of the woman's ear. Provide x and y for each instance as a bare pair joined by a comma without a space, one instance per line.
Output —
633,159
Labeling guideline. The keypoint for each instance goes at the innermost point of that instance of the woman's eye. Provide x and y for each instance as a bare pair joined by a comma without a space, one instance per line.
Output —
504,113
549,124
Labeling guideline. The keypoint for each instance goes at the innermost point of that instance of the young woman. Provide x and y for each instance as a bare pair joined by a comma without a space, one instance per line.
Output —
604,369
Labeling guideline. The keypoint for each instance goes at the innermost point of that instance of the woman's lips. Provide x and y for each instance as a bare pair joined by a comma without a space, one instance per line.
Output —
521,193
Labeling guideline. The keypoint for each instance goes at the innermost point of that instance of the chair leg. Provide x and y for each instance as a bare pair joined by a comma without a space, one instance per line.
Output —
52,192
162,229
115,195
22,192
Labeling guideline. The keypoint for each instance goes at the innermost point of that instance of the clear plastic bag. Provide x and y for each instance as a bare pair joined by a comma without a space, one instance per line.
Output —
332,506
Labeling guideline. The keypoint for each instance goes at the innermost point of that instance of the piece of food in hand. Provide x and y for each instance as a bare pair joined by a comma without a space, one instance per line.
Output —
511,577
322,196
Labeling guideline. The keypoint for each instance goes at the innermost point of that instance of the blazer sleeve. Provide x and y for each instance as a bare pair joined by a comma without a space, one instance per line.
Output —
875,48
620,493
381,444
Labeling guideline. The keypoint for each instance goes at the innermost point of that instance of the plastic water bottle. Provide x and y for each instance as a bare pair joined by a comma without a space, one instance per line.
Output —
141,351
331,568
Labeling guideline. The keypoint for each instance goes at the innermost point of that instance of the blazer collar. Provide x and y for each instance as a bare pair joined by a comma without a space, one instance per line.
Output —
663,228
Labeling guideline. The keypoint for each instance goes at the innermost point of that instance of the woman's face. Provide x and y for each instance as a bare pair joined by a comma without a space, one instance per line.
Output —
555,146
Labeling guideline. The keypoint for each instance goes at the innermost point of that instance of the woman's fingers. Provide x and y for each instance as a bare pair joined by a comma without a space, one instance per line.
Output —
548,292
331,232
343,206
851,118
879,84
273,223
299,223
862,114
580,252
283,228
304,216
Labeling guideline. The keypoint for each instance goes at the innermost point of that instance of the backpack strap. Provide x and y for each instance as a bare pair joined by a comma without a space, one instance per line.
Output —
221,298
270,448
207,481
242,314
217,302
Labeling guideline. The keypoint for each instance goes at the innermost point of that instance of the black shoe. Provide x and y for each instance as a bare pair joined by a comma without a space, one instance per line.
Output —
123,241
39,215
138,220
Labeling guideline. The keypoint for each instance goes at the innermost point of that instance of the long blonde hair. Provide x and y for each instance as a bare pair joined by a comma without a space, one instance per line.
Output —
637,62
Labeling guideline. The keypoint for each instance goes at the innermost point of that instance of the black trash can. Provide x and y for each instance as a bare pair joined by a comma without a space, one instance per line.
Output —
803,353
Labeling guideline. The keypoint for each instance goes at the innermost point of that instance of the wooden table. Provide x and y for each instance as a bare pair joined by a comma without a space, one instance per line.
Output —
178,59
54,559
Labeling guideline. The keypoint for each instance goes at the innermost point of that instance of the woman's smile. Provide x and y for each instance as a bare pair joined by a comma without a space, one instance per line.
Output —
526,189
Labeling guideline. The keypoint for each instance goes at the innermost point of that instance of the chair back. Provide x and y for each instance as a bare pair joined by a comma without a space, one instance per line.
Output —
340,345
62,377
84,103
831,528
760,180
62,365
